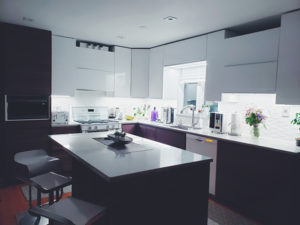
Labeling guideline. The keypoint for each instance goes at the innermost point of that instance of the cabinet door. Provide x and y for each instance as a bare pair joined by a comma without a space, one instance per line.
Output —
148,132
140,73
94,59
24,136
253,48
156,71
215,66
250,78
288,77
63,65
26,55
186,51
171,137
129,128
122,71
94,80
258,182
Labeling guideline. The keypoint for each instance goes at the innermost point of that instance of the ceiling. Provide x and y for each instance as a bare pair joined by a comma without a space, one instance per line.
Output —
138,23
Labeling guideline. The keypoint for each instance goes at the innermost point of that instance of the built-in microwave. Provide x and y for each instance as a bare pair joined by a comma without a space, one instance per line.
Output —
20,107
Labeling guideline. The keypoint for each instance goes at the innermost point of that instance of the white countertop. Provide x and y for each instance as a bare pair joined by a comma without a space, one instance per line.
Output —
275,144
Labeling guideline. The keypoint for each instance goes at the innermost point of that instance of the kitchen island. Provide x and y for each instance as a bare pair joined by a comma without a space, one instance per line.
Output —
146,183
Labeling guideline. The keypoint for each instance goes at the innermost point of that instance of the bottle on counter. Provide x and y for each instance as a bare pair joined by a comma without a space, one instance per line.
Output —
154,114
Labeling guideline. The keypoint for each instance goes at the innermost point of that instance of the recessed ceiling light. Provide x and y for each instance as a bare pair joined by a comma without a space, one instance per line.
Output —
170,18
120,37
27,19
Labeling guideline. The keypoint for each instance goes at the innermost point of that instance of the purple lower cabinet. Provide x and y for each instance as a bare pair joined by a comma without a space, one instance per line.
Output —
261,183
148,132
129,128
162,135
171,137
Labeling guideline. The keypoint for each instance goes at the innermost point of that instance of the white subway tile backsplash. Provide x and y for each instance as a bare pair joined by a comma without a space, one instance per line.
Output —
279,116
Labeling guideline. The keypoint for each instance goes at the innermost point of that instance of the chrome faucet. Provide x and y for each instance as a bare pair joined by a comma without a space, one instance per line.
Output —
193,108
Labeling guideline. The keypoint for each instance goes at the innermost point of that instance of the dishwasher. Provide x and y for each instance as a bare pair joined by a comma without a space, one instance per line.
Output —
207,147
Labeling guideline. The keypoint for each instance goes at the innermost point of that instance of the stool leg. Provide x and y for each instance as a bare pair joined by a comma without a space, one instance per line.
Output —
30,197
57,195
51,198
39,200
61,192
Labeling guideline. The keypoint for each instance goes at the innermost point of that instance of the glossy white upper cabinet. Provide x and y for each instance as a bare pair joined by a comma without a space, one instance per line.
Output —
156,71
140,73
63,65
186,51
94,70
122,71
87,58
215,66
288,77
249,78
252,48
94,80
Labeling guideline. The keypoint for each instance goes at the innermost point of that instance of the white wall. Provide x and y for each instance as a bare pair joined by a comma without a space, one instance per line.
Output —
277,125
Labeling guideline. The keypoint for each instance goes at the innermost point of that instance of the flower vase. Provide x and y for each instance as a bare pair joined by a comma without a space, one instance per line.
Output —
256,130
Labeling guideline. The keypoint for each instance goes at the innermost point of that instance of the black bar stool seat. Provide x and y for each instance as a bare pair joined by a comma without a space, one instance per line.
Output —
48,183
34,162
71,211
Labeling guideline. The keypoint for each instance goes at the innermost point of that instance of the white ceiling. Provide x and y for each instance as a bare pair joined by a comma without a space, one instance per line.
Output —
103,21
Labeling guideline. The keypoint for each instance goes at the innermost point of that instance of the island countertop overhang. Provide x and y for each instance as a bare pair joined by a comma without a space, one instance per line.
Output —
114,165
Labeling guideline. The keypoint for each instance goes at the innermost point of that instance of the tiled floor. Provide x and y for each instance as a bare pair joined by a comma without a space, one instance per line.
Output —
220,215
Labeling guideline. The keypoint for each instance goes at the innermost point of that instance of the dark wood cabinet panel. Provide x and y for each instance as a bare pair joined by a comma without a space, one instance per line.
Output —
24,136
171,137
162,135
25,69
260,183
129,128
148,132
65,129
57,151
26,59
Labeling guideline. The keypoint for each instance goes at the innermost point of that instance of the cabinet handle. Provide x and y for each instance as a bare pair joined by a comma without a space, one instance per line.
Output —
199,140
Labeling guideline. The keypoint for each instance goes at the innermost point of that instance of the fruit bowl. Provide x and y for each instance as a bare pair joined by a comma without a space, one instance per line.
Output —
119,138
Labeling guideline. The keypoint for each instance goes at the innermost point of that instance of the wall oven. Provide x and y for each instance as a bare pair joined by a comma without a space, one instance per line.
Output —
20,107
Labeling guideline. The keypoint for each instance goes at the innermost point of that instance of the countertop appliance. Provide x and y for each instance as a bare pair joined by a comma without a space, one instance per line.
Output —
217,123
168,115
94,119
60,118
235,125
207,147
23,107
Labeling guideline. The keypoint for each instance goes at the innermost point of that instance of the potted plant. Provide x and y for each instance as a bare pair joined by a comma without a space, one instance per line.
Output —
254,117
296,121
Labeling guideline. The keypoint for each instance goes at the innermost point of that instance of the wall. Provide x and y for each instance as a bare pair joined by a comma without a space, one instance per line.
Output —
65,103
277,126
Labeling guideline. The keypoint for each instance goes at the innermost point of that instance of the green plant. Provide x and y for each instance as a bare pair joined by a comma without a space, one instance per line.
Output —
138,111
296,121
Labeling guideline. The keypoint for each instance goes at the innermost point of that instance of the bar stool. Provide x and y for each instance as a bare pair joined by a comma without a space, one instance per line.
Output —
33,167
71,211
33,163
49,183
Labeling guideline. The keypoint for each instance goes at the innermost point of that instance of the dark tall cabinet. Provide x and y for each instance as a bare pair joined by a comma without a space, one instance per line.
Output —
25,59
259,182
